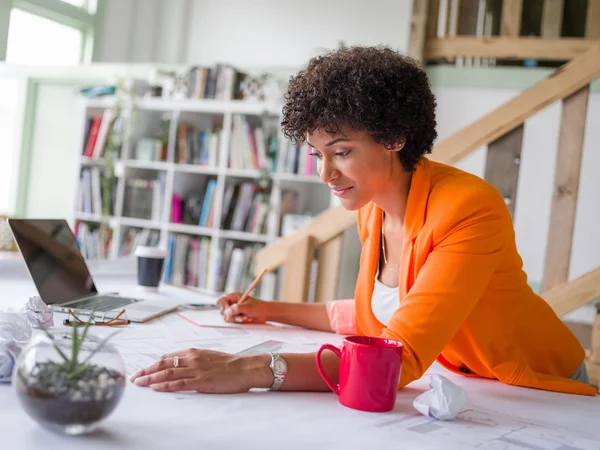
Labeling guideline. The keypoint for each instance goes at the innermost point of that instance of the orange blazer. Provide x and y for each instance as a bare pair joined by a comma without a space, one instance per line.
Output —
464,298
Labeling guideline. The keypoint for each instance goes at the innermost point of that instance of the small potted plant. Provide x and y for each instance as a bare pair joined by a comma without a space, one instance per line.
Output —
69,382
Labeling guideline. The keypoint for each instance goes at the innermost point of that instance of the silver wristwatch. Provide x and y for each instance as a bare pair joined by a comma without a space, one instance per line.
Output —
279,368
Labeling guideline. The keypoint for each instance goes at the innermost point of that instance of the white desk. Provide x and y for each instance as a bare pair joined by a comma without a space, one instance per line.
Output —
496,417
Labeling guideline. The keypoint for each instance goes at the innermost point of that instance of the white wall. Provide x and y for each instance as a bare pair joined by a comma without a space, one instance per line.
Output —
257,33
144,31
458,107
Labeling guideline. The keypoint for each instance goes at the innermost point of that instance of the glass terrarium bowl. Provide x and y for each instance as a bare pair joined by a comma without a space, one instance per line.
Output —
66,397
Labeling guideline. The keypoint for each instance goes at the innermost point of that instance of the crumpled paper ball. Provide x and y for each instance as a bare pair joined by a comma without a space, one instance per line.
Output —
7,363
15,333
443,401
39,314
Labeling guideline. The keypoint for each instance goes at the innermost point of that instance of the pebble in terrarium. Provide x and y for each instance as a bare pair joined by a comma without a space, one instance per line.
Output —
69,382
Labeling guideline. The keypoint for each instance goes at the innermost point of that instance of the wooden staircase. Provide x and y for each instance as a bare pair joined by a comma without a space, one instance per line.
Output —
502,132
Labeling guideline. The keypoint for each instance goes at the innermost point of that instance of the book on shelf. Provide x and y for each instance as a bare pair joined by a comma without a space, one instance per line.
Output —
250,148
188,264
244,208
196,146
206,216
144,198
297,159
90,194
221,82
135,237
93,244
97,131
188,261
150,149
196,206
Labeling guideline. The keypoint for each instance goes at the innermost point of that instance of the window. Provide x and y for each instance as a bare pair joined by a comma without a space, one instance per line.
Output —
48,32
35,40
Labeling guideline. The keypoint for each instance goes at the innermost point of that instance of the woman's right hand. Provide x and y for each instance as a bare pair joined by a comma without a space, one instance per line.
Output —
252,310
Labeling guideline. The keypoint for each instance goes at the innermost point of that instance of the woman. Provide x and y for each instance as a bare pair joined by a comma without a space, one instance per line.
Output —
439,269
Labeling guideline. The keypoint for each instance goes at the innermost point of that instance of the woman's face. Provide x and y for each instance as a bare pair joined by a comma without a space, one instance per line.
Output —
356,168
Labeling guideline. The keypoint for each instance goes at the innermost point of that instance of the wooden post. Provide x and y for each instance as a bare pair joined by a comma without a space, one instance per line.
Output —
552,17
592,23
330,255
296,270
432,18
566,185
418,30
592,361
502,165
512,10
595,347
453,24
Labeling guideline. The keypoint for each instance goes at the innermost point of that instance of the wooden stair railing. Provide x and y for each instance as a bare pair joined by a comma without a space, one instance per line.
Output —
501,130
461,35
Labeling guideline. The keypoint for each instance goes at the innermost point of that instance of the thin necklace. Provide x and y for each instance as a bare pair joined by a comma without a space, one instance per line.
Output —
383,244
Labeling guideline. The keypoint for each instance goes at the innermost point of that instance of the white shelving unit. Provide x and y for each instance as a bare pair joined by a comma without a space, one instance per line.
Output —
143,116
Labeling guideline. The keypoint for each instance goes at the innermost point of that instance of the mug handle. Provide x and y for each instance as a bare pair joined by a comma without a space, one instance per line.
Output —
334,387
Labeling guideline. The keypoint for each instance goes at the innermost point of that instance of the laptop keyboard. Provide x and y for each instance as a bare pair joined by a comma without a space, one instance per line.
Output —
102,303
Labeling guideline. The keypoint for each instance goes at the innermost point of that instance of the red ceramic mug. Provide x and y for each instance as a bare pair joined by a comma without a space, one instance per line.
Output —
369,372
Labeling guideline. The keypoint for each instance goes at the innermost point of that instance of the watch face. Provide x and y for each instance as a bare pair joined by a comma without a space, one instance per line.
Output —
280,366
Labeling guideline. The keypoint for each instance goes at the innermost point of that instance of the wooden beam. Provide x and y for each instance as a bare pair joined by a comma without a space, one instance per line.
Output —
595,344
512,10
418,30
566,185
502,165
324,227
562,49
432,18
592,23
296,271
569,296
330,255
552,17
568,79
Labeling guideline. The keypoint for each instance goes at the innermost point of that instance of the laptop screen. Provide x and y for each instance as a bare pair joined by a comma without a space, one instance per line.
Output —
52,255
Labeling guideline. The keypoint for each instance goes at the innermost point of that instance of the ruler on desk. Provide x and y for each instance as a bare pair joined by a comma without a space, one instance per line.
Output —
263,347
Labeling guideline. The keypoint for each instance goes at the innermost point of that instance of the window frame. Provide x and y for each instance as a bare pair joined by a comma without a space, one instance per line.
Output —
60,12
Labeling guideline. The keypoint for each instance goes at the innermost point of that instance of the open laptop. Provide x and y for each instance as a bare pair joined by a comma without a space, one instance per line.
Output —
62,277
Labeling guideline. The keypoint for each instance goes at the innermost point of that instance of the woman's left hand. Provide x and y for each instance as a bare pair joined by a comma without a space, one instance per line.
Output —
200,370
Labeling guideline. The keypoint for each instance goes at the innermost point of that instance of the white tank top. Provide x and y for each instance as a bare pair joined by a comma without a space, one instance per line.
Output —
384,301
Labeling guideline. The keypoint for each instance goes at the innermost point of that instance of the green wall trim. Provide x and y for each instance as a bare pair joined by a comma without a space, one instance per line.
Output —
28,133
26,143
517,78
99,27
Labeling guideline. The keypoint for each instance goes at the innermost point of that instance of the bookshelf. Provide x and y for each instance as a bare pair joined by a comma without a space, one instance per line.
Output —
198,145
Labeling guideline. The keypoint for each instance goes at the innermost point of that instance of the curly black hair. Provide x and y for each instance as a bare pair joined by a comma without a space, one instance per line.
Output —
372,89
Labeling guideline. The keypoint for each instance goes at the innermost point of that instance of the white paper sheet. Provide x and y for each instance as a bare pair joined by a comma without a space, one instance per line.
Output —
213,318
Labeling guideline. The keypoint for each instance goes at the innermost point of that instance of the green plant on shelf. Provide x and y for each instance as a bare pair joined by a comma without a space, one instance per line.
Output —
116,136
264,182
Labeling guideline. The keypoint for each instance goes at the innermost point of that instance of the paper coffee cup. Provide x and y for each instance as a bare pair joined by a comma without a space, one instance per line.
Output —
150,262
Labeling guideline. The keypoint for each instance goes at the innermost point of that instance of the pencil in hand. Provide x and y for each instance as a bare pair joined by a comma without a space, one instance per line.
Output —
246,294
